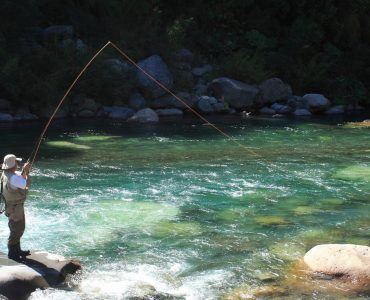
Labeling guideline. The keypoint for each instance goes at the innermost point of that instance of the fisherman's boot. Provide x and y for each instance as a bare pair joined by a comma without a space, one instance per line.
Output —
22,253
13,253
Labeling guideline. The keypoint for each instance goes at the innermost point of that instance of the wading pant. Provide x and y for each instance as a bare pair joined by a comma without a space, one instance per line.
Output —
17,223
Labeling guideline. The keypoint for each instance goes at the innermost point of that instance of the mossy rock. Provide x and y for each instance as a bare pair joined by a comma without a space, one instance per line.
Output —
331,202
288,251
272,220
176,229
234,214
354,173
254,293
67,145
305,210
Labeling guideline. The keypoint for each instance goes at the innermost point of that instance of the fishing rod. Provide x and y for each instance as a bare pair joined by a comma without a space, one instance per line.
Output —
35,150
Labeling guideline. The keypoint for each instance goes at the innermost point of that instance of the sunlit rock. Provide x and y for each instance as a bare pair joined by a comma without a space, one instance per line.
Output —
346,266
354,173
363,124
39,271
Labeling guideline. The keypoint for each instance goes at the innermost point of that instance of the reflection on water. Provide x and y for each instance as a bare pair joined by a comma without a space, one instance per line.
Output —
175,211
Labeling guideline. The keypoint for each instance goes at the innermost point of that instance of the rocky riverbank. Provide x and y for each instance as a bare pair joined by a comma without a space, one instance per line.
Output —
149,102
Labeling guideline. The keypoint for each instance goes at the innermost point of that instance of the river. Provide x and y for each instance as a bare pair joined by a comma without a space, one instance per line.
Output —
176,211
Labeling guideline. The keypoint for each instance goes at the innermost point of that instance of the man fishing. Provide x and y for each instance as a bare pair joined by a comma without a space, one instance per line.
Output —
14,187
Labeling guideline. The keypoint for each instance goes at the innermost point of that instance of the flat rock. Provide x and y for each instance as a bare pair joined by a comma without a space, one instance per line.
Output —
39,271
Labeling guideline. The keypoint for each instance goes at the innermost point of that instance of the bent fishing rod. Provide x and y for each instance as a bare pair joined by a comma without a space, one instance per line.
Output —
35,150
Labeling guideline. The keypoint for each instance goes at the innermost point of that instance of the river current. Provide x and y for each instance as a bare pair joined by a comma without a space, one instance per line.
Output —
176,211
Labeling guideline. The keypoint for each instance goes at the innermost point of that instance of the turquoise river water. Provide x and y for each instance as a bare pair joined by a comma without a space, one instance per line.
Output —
176,211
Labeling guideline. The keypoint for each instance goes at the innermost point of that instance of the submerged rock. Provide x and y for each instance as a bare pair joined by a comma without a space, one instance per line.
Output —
355,173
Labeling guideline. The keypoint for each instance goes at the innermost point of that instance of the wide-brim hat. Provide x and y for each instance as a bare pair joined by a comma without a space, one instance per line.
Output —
10,161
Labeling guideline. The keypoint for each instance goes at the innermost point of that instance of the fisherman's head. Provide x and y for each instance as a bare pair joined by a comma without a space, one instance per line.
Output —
10,162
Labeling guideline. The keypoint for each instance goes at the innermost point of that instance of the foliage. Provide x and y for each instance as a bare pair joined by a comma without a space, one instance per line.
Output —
245,67
316,46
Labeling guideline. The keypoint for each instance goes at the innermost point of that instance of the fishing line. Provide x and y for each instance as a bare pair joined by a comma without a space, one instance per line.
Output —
37,146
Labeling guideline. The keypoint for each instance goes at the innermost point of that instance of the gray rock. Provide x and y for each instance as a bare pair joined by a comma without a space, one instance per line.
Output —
201,71
184,55
120,112
39,271
5,117
317,102
118,66
86,113
338,109
81,103
23,113
156,67
236,93
208,104
58,32
25,116
274,89
164,112
281,108
302,112
200,89
46,113
267,111
170,101
205,104
146,115
136,101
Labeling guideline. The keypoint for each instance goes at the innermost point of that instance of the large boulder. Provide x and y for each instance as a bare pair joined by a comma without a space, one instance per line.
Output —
340,260
136,101
281,108
156,67
274,89
168,101
316,102
201,71
167,112
39,271
84,107
338,109
208,104
236,93
146,115
119,112
58,32
6,117
184,55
